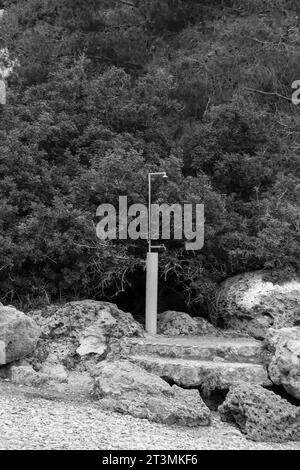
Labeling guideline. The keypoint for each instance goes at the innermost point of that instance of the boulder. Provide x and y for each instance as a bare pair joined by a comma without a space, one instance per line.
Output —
284,367
117,379
18,335
55,371
73,318
205,328
55,381
26,375
173,323
251,304
185,408
260,414
79,383
275,336
76,331
126,388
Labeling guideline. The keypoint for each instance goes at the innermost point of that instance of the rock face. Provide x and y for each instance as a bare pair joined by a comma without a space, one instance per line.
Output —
251,305
126,388
260,414
18,335
93,338
284,368
82,329
74,339
26,375
173,323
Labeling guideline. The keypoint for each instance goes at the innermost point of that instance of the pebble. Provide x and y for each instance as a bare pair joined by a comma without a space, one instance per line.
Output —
30,422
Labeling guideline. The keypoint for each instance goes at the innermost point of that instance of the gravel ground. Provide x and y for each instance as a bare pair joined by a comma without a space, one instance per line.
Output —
29,420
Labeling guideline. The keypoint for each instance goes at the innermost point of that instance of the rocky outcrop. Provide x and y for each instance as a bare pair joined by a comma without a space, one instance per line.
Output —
284,367
78,331
260,414
250,304
18,335
173,323
75,338
126,388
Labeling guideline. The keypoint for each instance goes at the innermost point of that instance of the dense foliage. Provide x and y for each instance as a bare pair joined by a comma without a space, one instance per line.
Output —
106,90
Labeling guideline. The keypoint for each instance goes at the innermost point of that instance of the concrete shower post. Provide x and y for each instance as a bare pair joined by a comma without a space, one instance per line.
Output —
151,269
151,292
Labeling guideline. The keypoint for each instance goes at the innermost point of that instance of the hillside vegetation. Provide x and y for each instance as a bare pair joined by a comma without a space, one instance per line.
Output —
107,90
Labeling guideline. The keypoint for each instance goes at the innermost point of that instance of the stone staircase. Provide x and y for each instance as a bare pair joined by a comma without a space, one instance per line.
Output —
199,360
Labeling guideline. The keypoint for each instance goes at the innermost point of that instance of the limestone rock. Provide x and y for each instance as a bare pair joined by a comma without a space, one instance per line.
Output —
93,339
73,317
284,368
55,371
197,373
80,383
205,348
251,305
26,375
126,388
54,352
80,329
55,380
260,414
205,328
275,336
121,377
185,408
18,335
77,384
173,323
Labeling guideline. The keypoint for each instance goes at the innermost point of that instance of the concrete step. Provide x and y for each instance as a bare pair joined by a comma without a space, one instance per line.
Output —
194,373
200,347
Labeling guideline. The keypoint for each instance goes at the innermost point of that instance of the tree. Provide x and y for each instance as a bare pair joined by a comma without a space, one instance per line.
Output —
105,91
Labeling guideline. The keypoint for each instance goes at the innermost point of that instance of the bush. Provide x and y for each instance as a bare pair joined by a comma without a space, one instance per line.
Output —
103,93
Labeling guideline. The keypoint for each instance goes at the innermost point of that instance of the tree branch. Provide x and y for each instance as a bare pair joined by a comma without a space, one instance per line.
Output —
125,2
269,93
